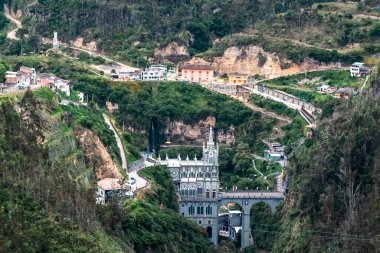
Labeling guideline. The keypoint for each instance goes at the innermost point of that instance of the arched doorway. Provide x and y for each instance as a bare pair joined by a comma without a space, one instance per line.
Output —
209,232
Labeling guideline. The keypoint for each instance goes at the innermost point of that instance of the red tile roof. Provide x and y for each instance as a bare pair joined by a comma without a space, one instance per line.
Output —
109,184
198,67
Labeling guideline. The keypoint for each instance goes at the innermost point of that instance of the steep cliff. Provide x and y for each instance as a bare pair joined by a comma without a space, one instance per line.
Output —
254,60
171,53
198,133
47,200
334,193
95,154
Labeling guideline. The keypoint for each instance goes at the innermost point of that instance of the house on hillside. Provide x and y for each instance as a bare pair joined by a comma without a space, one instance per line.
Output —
170,75
21,79
154,73
30,72
345,92
54,83
358,69
6,88
126,76
237,78
106,189
197,73
325,89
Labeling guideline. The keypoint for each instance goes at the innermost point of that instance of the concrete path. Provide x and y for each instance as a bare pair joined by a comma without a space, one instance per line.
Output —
12,34
140,182
364,84
286,102
119,143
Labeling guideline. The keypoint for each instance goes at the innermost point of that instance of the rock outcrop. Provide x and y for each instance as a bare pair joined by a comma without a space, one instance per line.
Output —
198,132
254,60
95,154
90,46
171,53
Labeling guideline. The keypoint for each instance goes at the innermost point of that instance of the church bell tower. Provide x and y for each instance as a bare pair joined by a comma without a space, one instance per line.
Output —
211,150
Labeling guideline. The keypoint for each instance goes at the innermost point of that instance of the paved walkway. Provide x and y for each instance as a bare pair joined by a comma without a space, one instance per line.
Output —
287,100
140,182
251,195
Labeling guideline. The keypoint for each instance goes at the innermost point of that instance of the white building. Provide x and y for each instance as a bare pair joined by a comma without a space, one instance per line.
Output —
154,73
359,70
106,188
325,89
54,83
63,85
126,75
21,79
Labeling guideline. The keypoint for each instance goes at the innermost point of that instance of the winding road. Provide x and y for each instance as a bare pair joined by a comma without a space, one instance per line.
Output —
119,143
139,182
12,34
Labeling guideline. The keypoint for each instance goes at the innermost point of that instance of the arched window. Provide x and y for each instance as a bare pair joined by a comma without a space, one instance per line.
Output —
207,193
208,210
213,194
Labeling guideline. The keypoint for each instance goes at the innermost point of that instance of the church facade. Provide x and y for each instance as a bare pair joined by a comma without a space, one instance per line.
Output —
197,185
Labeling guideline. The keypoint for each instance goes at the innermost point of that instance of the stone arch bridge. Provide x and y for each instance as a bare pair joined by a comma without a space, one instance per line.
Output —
247,199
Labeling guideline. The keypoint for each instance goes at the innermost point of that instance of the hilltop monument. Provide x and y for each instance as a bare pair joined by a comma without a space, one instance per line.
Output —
55,41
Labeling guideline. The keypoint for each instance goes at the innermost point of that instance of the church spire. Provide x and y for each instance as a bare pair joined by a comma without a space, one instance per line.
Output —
211,137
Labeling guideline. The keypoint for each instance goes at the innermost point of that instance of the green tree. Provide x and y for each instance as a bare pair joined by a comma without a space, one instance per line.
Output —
242,160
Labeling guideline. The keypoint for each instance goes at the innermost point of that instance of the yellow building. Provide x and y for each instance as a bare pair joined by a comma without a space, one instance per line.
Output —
237,78
221,80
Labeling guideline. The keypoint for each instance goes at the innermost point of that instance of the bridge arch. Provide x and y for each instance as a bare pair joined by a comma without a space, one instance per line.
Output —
247,201
263,225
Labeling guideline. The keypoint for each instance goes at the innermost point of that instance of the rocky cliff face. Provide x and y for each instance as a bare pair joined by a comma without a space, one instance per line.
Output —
254,60
198,133
172,53
96,155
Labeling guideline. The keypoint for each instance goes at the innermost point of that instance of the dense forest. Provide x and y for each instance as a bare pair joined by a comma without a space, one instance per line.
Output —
132,30
334,193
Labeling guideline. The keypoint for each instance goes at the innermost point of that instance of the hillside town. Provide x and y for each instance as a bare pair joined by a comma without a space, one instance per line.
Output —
206,74
29,79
